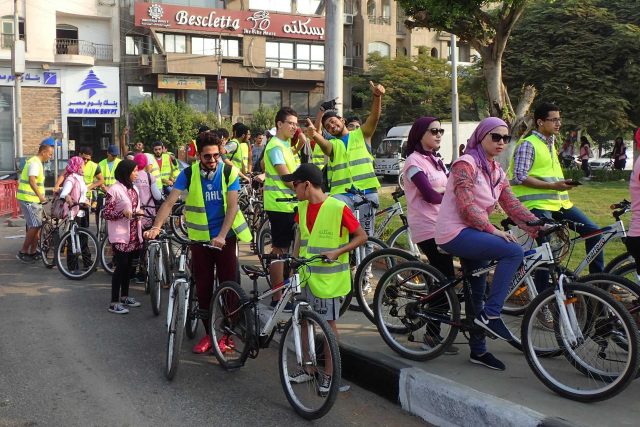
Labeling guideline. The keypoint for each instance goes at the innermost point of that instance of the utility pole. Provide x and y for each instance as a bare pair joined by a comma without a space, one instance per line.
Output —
454,96
333,77
219,99
17,68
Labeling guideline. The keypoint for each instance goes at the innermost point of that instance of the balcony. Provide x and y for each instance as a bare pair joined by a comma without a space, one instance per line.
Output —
82,52
401,30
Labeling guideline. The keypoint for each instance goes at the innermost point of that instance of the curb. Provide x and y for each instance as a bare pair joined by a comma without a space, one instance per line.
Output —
435,399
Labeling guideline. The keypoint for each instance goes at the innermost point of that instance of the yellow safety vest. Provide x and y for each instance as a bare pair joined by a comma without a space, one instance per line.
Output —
351,166
164,173
89,173
25,192
196,214
317,156
274,188
546,167
327,280
108,174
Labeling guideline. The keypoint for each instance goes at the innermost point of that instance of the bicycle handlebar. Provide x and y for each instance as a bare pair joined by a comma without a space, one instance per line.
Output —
294,260
620,208
286,199
363,201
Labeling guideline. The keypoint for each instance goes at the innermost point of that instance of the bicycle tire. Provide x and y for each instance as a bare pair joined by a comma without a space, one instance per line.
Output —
47,243
401,181
192,311
548,374
153,278
69,265
380,262
305,397
618,262
401,315
106,256
394,241
231,324
177,224
628,271
263,243
175,330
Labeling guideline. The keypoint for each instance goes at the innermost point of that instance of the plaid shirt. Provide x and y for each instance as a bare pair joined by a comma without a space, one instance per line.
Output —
524,156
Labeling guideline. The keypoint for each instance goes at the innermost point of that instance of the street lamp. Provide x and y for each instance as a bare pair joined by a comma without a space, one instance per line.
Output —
218,87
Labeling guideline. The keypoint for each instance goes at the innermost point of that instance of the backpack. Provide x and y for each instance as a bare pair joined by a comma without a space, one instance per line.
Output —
57,208
226,172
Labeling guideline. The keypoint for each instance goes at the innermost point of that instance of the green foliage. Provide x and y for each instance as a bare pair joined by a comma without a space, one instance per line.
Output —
610,175
263,119
583,55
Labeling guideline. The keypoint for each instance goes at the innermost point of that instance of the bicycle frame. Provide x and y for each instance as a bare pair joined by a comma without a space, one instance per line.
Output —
391,211
613,231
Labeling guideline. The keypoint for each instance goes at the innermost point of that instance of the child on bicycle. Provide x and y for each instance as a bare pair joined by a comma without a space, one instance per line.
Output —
327,227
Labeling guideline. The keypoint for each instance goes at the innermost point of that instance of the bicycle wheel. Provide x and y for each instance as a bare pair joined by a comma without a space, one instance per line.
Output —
401,181
176,329
106,256
400,239
311,387
178,225
47,243
369,272
263,245
231,325
192,311
154,277
628,271
618,262
603,368
78,265
414,321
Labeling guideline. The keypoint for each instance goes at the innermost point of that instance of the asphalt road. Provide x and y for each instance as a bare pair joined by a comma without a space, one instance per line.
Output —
66,361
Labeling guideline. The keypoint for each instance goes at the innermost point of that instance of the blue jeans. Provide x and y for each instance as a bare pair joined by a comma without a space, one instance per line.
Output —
476,249
572,214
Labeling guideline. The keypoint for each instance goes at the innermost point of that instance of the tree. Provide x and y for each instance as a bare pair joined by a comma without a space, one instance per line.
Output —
163,120
486,26
263,119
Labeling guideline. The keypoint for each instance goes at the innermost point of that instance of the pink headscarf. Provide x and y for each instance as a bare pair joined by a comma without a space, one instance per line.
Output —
75,165
141,160
475,150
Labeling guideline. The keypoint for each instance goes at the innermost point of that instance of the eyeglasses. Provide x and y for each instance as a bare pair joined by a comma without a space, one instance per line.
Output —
292,124
555,120
436,131
352,126
496,137
208,157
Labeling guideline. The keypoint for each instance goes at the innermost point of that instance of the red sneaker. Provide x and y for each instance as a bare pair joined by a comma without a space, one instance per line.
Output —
203,346
230,345
222,344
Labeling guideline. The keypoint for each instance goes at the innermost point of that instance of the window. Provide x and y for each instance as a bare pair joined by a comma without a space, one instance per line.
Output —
173,43
351,7
136,45
299,101
6,41
310,7
136,95
250,100
67,40
272,5
209,46
307,56
386,10
434,53
384,49
464,52
371,9
357,50
6,128
207,100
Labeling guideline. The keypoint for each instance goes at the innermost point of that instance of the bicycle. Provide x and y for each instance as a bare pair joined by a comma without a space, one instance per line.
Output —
49,238
235,322
77,242
401,237
157,254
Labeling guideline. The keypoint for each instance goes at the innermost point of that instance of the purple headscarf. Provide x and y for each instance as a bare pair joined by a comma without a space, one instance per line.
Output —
419,128
475,150
75,165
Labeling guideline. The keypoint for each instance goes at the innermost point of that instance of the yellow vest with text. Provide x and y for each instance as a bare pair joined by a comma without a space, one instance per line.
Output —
25,192
109,178
546,167
351,166
327,280
89,173
196,214
274,188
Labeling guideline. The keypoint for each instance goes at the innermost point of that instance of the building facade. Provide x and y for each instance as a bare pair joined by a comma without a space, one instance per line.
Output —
71,84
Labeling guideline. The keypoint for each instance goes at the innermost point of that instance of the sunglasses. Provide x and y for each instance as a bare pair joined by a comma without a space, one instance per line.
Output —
435,131
208,157
496,137
296,183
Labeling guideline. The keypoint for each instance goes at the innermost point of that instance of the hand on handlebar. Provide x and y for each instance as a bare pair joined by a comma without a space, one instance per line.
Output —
151,233
218,242
331,255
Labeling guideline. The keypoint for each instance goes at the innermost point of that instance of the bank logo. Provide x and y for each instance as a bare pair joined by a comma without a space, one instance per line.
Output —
155,11
91,83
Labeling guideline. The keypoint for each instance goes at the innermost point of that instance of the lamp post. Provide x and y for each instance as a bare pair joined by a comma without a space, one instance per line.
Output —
218,82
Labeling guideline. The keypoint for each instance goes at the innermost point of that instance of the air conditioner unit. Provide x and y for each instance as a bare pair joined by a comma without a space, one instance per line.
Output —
347,62
276,73
238,119
143,60
347,19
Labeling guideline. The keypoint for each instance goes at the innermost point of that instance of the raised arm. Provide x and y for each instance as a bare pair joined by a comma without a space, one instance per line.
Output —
369,127
314,134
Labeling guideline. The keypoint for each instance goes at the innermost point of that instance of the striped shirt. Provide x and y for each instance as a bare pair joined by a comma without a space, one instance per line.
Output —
524,156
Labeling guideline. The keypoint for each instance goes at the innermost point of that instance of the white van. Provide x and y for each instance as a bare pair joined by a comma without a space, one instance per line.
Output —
389,157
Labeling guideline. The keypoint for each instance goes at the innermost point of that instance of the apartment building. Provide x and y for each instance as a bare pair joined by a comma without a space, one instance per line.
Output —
240,53
71,84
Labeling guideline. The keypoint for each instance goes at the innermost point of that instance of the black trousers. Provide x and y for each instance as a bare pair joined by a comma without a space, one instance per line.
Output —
123,262
633,246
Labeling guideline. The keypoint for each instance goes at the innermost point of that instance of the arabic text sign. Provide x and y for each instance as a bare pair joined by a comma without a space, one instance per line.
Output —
93,92
166,81
254,22
33,77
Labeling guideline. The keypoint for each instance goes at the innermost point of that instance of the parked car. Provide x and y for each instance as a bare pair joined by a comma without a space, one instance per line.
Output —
605,162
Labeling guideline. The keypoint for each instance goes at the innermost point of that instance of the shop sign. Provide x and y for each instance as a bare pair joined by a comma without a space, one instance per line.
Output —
93,92
166,81
230,22
33,78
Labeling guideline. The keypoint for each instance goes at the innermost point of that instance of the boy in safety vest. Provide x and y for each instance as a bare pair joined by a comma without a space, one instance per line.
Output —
326,227
162,167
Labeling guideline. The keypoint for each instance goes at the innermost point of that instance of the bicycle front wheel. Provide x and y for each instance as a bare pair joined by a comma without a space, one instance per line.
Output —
106,256
618,262
78,263
595,365
231,325
175,331
192,311
310,366
154,277
47,243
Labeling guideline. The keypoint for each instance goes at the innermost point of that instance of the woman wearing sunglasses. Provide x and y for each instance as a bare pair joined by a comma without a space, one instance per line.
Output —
476,184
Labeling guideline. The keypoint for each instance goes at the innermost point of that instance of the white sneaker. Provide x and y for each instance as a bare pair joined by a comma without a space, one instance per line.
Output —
131,302
118,309
300,376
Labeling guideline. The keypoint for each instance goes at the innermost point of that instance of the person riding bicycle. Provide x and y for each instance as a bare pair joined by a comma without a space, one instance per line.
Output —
476,185
327,227
212,216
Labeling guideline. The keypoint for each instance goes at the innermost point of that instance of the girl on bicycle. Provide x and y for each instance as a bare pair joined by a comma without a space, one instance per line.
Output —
476,185
125,232
74,190
425,177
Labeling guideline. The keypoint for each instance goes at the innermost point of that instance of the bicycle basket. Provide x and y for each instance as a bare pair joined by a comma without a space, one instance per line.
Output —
559,242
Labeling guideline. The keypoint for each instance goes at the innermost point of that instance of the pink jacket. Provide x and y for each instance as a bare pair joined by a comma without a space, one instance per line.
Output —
118,230
77,195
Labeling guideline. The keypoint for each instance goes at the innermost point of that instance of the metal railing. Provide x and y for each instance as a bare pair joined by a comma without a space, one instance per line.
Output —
102,52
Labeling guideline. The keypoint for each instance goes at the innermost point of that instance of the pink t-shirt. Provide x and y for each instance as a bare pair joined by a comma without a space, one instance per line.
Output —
421,214
634,190
450,222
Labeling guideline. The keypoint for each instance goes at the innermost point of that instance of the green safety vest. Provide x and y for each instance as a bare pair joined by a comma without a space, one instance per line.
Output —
317,156
546,167
25,192
326,280
240,157
164,173
274,188
352,166
108,174
196,214
89,173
